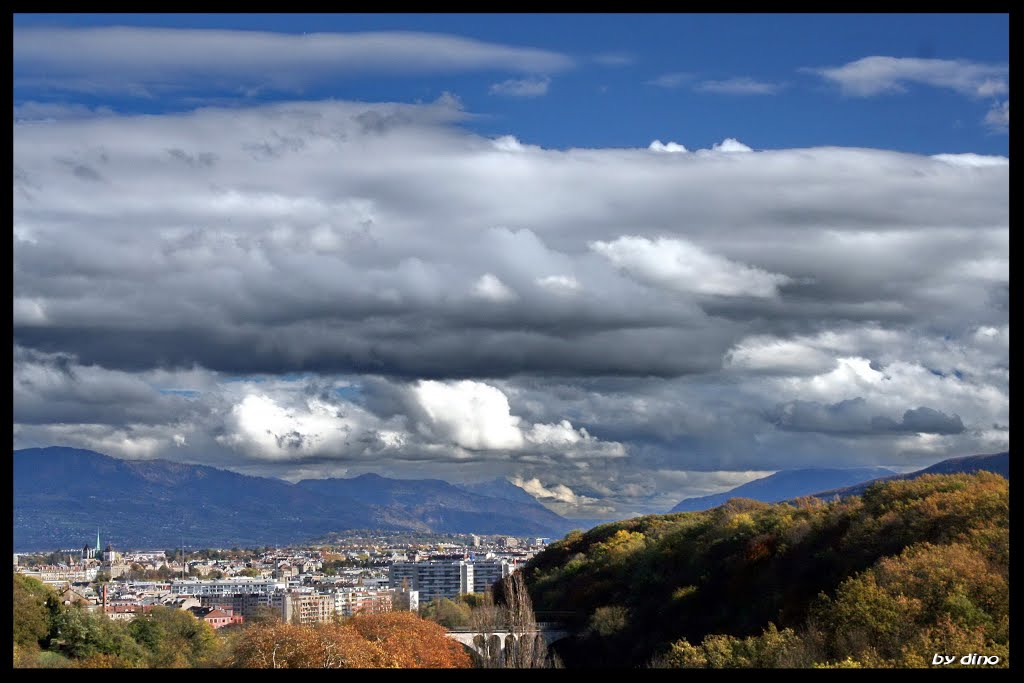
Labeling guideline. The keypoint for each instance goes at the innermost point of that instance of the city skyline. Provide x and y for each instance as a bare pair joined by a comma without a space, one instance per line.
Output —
607,257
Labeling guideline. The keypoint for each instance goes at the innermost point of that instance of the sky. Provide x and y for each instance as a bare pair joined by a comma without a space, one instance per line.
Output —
619,260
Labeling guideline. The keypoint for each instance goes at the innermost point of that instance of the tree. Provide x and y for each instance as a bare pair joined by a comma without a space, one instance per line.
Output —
389,640
409,641
174,638
80,634
31,614
772,649
263,614
485,620
528,648
451,615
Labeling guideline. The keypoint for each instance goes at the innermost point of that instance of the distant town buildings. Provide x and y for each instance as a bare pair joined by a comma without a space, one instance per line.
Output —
226,586
366,574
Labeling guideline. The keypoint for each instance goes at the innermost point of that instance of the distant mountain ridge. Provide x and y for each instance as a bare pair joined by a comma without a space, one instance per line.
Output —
498,488
998,463
790,484
61,495
785,485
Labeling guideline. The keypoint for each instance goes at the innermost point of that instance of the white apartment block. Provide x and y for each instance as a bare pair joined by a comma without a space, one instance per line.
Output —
488,572
433,579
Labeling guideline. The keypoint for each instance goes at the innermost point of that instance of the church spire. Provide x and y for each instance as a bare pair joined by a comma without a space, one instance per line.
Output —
98,551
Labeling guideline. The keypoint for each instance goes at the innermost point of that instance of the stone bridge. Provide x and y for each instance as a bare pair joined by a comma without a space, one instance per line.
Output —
499,643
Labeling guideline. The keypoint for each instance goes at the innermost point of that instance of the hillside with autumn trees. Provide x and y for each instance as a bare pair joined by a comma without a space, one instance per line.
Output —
885,579
48,634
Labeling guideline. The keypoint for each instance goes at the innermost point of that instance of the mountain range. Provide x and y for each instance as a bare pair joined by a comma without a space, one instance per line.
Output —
61,496
968,464
785,485
828,483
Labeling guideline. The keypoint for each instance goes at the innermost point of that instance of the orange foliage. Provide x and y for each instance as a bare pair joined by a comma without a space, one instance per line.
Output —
412,642
388,640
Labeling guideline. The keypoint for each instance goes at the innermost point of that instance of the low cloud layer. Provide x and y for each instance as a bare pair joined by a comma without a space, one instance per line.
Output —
327,288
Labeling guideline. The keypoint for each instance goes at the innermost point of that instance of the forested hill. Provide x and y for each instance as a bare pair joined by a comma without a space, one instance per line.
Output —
910,568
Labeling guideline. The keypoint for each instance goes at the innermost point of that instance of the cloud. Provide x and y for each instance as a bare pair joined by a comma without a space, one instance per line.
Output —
856,417
56,111
682,266
508,143
471,414
259,238
998,117
974,160
672,80
730,145
137,60
557,492
658,146
615,59
264,288
476,415
560,284
525,87
879,75
264,428
491,288
778,356
738,86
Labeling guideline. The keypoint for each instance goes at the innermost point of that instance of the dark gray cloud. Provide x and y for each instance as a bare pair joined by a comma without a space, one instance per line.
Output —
925,420
855,417
313,289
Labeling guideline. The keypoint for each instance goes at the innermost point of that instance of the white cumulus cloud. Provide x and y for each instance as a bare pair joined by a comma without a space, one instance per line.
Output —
556,492
730,145
471,414
659,146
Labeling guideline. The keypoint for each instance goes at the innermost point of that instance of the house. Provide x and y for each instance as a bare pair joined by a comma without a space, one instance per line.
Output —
217,617
72,597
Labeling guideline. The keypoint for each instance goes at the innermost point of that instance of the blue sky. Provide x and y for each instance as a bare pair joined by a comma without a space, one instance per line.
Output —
608,95
620,260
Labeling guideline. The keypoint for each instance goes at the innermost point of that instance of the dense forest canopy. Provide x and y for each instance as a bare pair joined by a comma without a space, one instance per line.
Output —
906,570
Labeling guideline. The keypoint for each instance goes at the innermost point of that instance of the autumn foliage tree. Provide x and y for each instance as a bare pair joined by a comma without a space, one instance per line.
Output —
387,640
